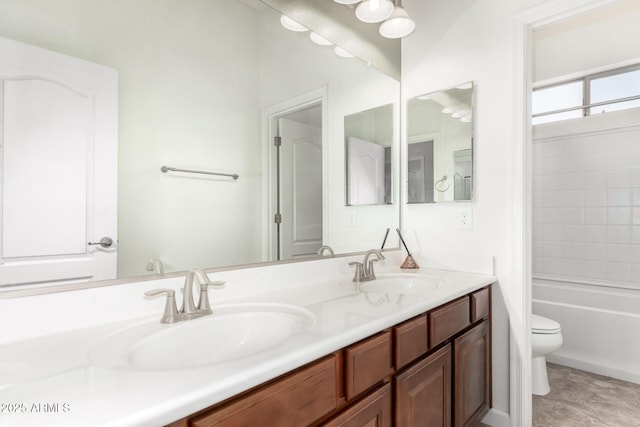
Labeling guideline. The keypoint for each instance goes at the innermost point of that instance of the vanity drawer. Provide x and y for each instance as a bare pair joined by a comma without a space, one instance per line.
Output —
295,400
480,305
448,320
367,363
410,341
372,411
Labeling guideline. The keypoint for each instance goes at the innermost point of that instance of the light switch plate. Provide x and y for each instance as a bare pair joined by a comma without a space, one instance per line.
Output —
465,219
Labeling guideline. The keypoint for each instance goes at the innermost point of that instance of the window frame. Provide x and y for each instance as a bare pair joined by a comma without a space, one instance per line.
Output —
587,105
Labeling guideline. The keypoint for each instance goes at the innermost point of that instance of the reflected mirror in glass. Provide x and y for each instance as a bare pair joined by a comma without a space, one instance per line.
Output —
440,146
369,139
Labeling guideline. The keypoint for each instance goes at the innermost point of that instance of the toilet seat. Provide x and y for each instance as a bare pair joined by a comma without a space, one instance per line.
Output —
542,325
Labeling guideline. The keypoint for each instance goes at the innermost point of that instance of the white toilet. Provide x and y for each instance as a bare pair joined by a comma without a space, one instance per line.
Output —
545,339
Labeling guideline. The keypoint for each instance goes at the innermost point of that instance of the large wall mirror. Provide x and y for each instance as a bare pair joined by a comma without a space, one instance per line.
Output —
205,86
440,146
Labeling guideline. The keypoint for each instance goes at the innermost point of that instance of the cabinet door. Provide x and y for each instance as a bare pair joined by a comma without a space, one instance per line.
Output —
423,392
372,411
472,375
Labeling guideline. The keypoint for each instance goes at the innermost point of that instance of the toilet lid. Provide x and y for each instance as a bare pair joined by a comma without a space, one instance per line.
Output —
542,325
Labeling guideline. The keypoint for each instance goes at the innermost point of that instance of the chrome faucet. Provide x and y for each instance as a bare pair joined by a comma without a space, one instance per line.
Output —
325,248
364,270
189,310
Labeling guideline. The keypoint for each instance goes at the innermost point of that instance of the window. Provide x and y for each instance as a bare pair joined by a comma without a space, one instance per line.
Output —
594,94
612,88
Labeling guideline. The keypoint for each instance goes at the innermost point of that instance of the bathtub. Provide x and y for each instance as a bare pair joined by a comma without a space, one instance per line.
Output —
600,326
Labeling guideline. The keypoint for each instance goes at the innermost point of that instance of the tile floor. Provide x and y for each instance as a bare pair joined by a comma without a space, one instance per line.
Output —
581,399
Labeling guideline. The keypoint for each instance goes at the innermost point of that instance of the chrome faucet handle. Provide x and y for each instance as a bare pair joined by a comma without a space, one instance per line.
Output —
170,314
203,302
357,276
368,263
371,275
188,305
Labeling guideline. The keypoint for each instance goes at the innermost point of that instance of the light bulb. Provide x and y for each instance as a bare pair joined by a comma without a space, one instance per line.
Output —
291,25
398,25
342,53
372,11
319,39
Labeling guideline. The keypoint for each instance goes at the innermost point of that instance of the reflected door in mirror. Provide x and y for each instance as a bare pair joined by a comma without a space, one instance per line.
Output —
301,189
420,172
365,172
58,180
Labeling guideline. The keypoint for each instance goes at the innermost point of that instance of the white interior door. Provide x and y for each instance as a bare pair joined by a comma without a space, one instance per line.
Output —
58,154
301,189
365,171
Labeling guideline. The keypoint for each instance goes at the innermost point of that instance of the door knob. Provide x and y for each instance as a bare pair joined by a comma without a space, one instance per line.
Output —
105,242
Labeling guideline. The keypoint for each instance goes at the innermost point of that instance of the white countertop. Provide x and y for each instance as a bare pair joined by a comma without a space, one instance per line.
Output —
49,380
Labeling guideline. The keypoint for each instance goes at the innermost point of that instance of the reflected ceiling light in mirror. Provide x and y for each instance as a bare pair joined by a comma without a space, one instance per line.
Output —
465,86
342,53
290,24
399,24
460,113
319,39
466,119
372,11
447,110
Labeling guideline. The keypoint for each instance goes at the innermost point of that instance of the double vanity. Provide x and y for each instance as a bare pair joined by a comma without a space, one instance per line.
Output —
287,344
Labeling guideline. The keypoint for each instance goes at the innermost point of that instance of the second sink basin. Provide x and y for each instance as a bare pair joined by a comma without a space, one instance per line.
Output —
231,332
402,284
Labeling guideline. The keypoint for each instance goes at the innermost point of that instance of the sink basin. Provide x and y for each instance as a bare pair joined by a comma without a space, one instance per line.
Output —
402,284
231,332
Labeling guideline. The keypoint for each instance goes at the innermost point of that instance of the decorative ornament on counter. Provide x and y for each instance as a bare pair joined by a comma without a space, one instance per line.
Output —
409,263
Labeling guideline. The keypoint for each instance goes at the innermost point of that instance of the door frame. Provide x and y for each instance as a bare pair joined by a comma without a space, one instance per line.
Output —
269,129
526,22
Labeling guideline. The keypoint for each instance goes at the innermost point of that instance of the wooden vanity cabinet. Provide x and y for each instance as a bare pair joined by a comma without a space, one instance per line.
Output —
433,370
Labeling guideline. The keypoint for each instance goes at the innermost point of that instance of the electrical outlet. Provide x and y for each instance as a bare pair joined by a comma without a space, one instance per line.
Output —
352,219
465,219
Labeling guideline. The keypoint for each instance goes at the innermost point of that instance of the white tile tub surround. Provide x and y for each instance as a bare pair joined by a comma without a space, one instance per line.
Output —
586,198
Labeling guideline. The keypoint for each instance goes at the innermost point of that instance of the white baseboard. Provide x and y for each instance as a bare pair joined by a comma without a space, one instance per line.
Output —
497,418
595,368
